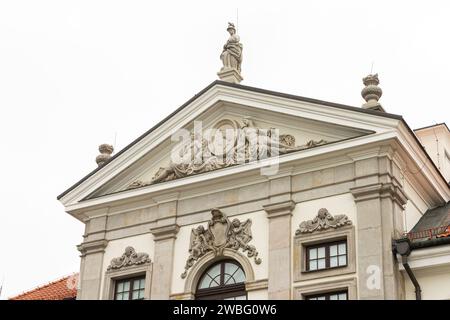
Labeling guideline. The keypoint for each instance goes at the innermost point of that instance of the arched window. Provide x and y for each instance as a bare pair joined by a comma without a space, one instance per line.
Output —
224,280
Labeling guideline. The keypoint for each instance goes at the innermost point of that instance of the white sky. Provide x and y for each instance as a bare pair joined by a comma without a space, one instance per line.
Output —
72,73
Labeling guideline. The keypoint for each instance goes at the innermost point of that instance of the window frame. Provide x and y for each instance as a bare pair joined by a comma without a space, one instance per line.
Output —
111,276
327,295
326,245
222,291
131,289
304,240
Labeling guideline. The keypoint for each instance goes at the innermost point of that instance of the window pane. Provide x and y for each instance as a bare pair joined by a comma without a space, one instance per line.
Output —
343,248
230,268
321,263
313,265
334,297
321,252
126,286
320,298
313,253
135,295
119,296
215,282
136,284
333,262
120,287
214,271
343,296
238,277
142,284
333,250
241,298
141,294
342,260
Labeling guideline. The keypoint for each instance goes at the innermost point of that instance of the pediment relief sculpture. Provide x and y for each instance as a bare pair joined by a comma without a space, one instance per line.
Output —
221,233
323,221
227,144
129,258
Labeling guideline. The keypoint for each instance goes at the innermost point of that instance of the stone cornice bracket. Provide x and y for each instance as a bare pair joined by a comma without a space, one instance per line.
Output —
380,190
92,247
220,234
323,221
165,232
279,209
129,258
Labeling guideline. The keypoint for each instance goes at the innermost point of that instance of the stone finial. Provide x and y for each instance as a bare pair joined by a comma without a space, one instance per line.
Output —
372,92
231,57
105,153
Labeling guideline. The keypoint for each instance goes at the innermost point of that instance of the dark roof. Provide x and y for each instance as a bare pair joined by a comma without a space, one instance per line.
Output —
433,228
253,89
434,218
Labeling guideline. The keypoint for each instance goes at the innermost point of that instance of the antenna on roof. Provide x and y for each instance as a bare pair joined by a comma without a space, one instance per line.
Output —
237,20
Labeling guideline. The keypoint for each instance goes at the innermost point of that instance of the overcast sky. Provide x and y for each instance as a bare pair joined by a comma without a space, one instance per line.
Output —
75,73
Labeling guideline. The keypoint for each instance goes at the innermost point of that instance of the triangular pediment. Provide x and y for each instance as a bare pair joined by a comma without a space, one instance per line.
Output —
301,124
295,134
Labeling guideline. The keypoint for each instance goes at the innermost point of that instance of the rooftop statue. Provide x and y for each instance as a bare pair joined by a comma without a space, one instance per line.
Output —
231,57
232,50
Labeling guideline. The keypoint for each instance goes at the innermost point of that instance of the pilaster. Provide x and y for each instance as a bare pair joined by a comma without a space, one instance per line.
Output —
164,237
279,213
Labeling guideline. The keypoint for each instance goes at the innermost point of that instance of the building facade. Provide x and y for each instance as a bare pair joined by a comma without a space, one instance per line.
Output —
317,217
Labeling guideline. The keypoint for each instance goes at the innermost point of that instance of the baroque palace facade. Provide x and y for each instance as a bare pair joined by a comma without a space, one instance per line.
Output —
308,200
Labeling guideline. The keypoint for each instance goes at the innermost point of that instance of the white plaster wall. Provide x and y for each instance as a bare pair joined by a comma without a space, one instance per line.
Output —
260,230
340,204
434,282
262,294
115,248
415,207
436,141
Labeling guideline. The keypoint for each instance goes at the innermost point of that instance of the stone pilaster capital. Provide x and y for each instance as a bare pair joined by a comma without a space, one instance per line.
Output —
279,209
97,246
380,190
165,232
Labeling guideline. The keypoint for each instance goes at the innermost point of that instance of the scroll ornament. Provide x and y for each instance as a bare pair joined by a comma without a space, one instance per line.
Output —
129,257
221,233
324,220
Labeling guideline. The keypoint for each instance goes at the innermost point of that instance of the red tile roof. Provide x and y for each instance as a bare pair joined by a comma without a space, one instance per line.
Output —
62,289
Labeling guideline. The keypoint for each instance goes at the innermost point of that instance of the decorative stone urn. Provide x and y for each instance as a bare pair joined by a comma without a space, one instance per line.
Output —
105,153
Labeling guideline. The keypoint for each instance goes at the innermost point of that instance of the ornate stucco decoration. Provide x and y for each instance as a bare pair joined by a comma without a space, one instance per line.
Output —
324,220
248,143
221,233
129,258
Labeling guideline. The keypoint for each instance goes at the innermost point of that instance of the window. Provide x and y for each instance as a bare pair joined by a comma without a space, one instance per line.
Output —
222,281
130,289
341,295
326,256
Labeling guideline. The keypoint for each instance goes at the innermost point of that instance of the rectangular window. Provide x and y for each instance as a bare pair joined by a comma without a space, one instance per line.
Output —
326,256
341,295
130,289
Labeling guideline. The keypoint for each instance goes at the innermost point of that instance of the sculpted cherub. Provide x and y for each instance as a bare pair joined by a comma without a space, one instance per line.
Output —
199,242
242,233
